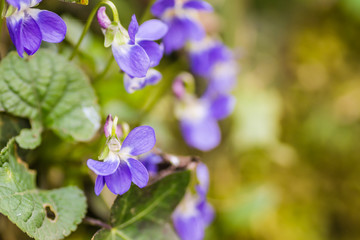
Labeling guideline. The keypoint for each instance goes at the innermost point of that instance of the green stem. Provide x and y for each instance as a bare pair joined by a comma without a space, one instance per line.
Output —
106,69
90,19
2,8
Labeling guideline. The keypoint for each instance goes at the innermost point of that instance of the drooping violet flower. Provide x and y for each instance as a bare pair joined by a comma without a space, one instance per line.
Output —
133,83
28,27
194,213
151,162
120,166
214,61
198,118
182,18
134,49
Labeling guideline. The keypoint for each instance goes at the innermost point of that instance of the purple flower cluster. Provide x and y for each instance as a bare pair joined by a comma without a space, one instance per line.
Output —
120,166
135,50
194,213
182,19
28,27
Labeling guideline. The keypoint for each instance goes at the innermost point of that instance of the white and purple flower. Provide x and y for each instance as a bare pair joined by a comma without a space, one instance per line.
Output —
28,27
199,117
134,49
182,18
194,213
120,166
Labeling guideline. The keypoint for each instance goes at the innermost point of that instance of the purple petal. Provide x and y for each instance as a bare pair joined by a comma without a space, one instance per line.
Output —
223,77
189,227
151,30
133,84
133,28
52,27
201,63
15,25
153,50
203,135
30,35
195,30
139,174
103,18
108,126
176,36
204,60
180,31
153,77
160,6
202,174
151,162
222,106
23,3
132,59
99,184
103,168
207,212
120,181
140,140
198,5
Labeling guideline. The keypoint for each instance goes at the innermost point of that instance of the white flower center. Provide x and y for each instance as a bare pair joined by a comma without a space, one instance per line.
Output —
191,109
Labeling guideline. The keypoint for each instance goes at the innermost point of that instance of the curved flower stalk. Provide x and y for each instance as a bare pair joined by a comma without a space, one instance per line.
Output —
134,49
214,61
198,116
194,213
120,166
182,18
28,27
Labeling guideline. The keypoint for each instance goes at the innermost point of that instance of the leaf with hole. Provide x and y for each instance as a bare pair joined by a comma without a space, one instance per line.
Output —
42,214
146,211
52,93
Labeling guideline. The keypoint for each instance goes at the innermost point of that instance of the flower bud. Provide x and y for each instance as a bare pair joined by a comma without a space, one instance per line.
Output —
102,18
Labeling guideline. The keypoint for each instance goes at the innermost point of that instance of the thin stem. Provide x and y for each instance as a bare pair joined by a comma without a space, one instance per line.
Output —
106,69
90,19
2,8
96,222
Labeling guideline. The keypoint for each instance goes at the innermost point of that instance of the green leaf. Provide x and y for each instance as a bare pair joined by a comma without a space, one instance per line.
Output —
146,211
10,126
52,92
41,214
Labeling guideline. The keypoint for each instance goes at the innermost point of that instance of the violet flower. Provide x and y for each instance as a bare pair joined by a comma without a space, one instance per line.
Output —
181,16
133,83
194,213
120,166
28,27
134,50
214,61
198,118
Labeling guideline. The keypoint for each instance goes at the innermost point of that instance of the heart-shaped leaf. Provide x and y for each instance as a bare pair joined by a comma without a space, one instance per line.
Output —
52,92
47,215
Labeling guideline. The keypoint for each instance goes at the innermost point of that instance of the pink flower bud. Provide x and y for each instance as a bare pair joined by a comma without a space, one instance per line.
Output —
102,18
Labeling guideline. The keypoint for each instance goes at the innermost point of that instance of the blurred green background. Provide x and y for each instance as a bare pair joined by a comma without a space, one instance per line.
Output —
288,167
